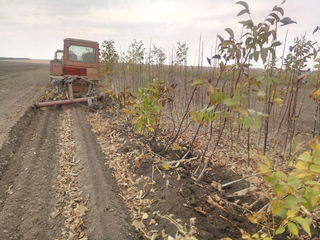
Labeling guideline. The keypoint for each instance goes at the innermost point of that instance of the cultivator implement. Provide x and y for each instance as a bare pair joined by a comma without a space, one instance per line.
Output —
89,100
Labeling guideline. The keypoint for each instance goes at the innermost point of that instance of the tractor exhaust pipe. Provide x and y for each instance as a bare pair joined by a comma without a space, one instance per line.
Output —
89,100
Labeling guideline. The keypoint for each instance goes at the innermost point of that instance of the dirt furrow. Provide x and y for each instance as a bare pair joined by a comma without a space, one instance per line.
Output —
27,196
54,183
107,217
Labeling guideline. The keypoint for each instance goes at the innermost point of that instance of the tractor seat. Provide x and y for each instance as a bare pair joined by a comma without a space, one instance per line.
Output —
73,57
88,57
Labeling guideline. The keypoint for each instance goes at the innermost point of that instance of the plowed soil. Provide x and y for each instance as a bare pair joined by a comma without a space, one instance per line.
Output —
35,183
20,85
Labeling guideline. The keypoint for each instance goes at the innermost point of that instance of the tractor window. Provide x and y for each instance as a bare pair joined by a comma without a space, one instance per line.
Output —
58,55
82,54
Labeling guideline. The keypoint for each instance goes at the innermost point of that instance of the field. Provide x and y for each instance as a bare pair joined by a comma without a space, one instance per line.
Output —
89,173
225,148
55,182
36,200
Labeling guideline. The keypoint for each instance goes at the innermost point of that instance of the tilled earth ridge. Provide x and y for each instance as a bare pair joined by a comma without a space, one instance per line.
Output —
26,193
20,85
107,218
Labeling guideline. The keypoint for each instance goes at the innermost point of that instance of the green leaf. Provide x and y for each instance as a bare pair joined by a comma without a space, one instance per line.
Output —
311,182
280,230
255,55
217,97
294,182
244,4
301,165
229,102
275,16
304,223
230,32
198,82
276,44
243,11
261,95
276,207
286,21
291,202
263,168
226,43
306,157
270,20
217,56
220,38
315,168
278,9
293,228
247,23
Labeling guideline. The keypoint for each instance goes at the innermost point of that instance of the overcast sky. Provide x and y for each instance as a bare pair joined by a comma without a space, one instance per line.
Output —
36,28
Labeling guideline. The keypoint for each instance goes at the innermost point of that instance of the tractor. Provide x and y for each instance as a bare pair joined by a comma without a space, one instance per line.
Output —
74,73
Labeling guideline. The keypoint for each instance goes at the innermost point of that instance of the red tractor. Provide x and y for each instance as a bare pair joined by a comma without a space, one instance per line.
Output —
74,72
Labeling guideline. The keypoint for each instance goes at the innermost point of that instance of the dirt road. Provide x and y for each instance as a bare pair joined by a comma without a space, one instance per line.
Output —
53,181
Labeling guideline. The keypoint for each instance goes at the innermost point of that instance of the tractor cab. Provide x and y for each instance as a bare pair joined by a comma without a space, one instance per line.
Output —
78,58
74,71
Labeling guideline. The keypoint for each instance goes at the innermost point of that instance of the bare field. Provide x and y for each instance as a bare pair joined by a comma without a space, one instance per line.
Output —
20,85
35,61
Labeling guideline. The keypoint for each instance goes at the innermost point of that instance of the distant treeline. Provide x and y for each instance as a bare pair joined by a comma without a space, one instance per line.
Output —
10,58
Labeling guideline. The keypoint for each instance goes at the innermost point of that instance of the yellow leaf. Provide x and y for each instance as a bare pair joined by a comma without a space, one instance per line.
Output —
293,228
261,95
301,165
246,235
291,213
257,217
166,166
304,223
315,94
176,147
280,230
211,90
276,206
136,119
256,235
306,157
252,219
303,175
241,110
278,100
198,82
264,167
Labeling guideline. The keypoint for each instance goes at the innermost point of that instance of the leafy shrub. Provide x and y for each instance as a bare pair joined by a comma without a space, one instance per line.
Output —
295,193
151,100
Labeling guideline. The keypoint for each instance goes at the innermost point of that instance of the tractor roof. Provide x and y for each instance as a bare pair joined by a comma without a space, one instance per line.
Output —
80,41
